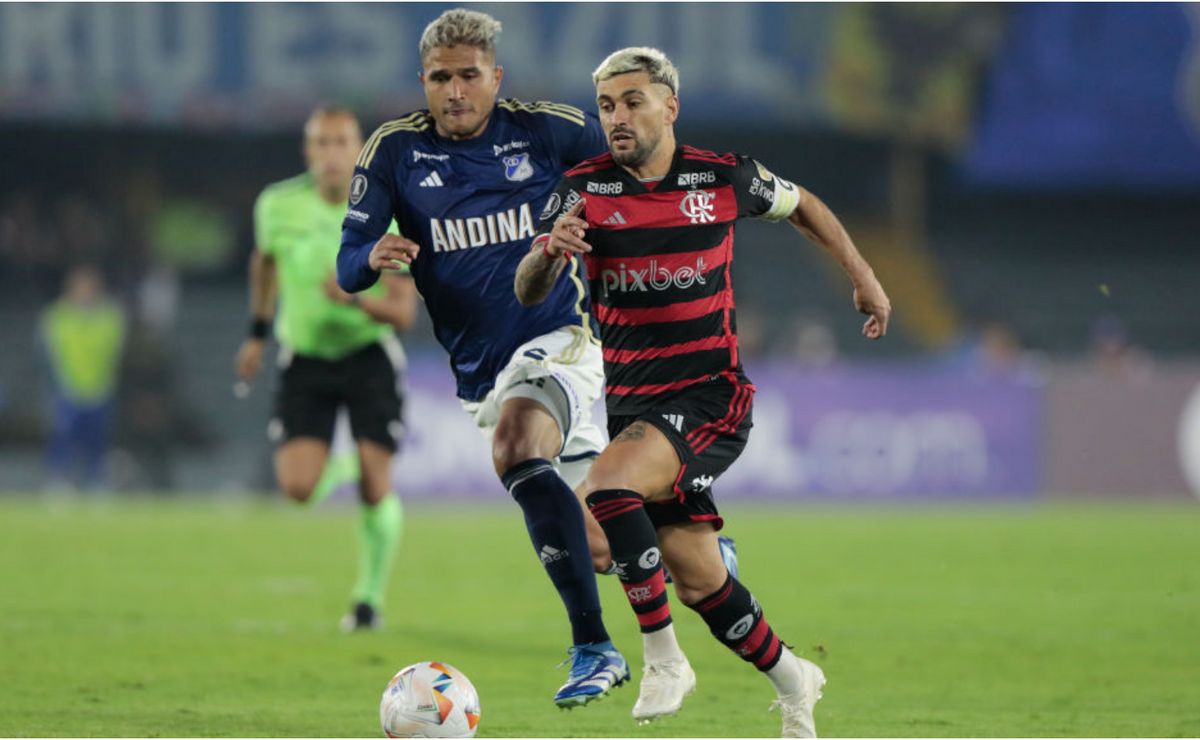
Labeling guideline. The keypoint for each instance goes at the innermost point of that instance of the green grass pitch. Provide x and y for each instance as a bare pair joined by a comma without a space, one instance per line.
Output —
219,619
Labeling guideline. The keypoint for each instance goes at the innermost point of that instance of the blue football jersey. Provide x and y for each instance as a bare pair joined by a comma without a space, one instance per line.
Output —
474,207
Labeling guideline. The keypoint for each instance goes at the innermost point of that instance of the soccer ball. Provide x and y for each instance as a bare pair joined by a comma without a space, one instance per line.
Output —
429,700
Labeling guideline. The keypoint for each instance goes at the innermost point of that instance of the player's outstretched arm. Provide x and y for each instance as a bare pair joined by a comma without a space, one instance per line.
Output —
550,252
813,219
262,309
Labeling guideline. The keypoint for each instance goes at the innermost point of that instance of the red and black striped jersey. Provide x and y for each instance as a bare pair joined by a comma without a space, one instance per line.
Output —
660,266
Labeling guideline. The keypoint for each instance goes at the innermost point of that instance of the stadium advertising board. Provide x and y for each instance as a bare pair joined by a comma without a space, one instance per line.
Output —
266,64
838,435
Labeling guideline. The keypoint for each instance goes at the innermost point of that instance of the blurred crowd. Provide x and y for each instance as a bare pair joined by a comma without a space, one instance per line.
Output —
128,291
103,275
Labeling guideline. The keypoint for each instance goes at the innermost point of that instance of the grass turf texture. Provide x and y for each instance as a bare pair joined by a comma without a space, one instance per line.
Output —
151,618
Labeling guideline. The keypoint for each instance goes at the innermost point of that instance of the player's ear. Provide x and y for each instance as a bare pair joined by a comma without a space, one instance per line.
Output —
672,106
499,75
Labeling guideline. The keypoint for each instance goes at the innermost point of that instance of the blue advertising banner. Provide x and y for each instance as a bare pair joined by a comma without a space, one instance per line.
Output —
1093,94
262,64
839,434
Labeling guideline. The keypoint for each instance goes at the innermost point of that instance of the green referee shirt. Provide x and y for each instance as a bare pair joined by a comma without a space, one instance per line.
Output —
302,232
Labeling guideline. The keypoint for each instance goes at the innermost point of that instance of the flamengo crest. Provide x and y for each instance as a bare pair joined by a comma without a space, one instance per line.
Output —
697,205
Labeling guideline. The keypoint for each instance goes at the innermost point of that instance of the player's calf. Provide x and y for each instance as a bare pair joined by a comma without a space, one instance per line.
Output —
736,620
667,677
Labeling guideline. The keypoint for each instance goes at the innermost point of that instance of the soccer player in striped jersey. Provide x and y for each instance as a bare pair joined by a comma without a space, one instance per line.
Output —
464,180
335,350
654,223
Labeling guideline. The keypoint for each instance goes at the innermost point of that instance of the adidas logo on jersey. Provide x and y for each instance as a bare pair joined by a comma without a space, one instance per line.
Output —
434,180
675,420
614,220
550,554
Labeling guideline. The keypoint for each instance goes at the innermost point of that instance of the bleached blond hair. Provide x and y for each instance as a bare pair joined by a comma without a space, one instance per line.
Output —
639,59
460,26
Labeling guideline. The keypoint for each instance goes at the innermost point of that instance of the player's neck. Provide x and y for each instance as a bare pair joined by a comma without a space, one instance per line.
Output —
659,163
334,195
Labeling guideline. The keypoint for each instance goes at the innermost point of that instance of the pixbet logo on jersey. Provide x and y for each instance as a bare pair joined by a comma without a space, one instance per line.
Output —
654,277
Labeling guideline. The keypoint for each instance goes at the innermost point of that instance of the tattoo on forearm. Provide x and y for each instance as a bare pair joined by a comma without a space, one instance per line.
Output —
535,277
632,433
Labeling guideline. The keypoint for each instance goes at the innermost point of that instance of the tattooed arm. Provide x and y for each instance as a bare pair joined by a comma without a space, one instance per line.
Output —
537,273
541,267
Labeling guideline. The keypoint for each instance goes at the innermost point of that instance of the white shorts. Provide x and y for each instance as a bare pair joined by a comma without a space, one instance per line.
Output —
563,371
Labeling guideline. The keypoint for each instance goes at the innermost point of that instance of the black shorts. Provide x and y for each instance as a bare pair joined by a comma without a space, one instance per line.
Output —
366,382
708,425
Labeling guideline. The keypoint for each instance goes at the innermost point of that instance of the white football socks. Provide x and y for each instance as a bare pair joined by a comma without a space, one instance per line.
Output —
785,675
661,645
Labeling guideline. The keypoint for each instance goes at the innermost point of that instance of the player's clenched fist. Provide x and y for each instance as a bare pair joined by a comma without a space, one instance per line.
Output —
870,299
391,251
568,232
249,359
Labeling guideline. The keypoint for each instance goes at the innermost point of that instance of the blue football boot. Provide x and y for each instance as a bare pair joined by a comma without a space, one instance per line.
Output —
595,669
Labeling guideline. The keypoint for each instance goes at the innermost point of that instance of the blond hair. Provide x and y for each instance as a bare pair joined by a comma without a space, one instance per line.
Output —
639,59
461,26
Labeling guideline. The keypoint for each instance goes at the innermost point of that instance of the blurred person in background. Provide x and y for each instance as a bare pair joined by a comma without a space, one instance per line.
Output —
989,349
336,350
812,342
1113,352
82,334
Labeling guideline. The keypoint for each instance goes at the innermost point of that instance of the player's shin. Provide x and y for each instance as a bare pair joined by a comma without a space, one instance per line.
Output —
379,535
736,619
666,675
638,564
557,531
340,469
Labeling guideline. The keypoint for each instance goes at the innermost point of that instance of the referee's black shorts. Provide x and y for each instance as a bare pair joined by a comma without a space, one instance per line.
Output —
708,424
368,382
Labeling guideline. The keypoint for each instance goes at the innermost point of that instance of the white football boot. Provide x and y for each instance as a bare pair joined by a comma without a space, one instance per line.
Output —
664,684
797,709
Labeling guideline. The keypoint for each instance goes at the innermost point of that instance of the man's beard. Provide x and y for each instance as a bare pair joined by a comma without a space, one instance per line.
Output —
641,152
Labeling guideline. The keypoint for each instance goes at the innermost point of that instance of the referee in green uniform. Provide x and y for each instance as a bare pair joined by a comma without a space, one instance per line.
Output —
336,350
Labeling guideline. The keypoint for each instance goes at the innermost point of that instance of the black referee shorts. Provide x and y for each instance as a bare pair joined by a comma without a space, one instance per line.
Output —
708,424
366,382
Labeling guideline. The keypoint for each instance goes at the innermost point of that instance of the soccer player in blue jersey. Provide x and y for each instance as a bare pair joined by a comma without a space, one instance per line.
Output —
465,180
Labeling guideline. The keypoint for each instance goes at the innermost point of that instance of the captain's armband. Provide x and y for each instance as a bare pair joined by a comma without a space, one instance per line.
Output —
787,197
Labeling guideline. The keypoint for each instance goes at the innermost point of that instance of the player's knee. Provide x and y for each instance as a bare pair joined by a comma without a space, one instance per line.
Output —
525,431
511,447
605,478
371,495
296,490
